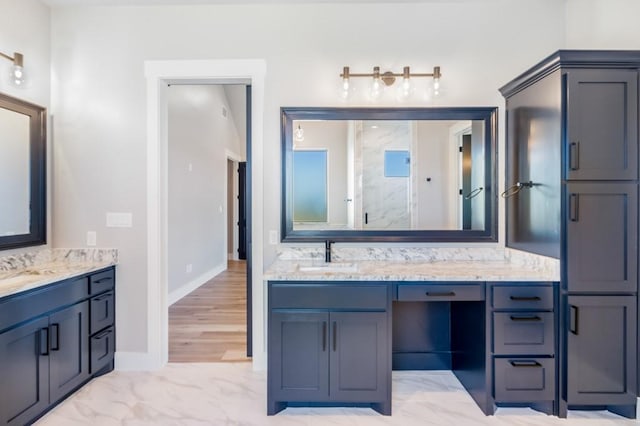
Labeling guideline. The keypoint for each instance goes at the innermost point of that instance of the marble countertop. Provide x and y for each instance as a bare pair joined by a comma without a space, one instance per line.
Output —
393,270
48,269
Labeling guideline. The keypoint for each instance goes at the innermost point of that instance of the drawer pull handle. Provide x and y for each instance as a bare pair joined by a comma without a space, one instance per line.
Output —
440,294
103,334
574,155
525,298
525,364
102,297
102,280
527,318
55,337
324,336
573,319
44,341
574,207
335,336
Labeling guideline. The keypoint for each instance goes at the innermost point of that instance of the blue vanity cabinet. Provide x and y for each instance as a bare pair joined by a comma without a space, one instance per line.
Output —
582,163
601,237
601,357
329,344
68,350
523,344
24,391
602,123
45,348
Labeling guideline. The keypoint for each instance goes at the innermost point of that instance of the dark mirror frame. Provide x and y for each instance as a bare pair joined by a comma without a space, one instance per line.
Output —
489,115
38,171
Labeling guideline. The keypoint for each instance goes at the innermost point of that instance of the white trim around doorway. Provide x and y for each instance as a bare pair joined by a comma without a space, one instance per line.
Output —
158,74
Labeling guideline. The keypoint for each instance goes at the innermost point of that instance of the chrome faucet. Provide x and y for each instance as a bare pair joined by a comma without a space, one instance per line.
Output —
327,251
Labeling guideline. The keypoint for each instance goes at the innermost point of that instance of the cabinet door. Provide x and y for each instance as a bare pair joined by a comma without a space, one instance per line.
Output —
602,125
68,344
360,369
602,242
298,356
601,350
24,378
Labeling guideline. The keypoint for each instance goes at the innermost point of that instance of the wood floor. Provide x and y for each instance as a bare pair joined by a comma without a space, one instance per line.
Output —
209,324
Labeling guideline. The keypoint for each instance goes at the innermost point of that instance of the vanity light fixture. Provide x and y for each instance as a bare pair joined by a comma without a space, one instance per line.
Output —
381,80
17,75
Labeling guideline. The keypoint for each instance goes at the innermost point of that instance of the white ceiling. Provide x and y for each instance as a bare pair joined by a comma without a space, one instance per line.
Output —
186,2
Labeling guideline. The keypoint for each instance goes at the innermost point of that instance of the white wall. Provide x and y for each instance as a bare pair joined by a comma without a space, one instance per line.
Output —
198,137
25,28
99,91
433,152
603,24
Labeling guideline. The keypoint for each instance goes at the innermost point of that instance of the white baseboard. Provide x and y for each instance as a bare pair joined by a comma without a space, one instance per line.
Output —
181,292
135,361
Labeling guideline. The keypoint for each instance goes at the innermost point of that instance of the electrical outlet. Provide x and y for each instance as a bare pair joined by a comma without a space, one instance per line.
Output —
91,238
273,237
189,268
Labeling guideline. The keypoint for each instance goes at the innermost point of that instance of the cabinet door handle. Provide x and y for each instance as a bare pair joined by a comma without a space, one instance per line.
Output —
102,280
55,337
526,318
44,341
525,298
102,297
103,334
440,293
573,207
574,154
335,336
366,218
525,364
324,336
573,319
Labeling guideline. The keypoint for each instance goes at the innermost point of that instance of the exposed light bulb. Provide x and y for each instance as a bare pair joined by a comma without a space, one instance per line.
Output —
299,134
17,76
406,89
376,88
436,86
345,89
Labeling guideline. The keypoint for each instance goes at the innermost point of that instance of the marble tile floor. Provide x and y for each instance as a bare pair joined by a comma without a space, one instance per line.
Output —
234,394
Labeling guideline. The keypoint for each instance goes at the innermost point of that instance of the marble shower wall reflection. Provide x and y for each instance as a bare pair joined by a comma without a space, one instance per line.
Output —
386,200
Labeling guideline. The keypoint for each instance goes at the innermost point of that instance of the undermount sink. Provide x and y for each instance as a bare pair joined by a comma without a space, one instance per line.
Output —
329,267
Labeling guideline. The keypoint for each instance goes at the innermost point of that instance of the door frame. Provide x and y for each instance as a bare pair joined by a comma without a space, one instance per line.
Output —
158,75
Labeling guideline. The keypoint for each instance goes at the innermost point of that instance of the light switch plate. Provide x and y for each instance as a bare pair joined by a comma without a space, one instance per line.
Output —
273,237
91,238
119,220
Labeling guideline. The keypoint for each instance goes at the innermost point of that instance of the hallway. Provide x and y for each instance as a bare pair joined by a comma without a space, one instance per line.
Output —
209,324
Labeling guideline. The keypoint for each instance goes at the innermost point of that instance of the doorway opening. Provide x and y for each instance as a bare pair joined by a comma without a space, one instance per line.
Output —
207,275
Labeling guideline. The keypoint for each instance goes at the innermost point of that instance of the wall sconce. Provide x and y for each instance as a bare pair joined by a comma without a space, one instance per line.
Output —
381,80
17,76
299,134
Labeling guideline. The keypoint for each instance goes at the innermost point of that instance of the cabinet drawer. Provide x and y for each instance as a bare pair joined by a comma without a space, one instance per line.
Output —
440,292
102,311
524,379
323,296
523,333
523,297
103,346
103,281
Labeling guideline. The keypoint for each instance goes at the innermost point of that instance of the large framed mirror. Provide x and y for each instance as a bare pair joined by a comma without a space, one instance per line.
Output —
389,174
22,173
